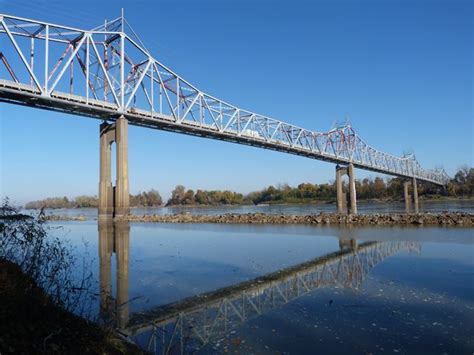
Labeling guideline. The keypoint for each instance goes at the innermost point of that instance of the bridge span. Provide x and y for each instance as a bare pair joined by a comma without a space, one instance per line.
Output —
108,74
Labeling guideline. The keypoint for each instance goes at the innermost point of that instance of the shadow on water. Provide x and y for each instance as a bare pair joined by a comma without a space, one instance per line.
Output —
191,323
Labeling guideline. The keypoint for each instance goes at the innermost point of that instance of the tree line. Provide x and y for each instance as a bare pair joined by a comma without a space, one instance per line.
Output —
461,185
151,198
181,196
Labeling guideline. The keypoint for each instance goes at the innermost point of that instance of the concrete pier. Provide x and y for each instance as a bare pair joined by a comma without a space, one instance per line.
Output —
106,191
114,202
407,196
413,199
341,200
122,206
341,196
352,189
415,196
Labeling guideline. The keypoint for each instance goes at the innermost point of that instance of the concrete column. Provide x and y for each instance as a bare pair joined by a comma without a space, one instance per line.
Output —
122,206
122,237
406,195
340,171
352,189
106,197
105,275
415,196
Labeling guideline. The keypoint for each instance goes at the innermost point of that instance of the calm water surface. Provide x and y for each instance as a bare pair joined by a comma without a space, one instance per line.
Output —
367,290
296,209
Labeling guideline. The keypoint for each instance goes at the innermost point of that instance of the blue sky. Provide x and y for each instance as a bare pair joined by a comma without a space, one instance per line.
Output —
401,71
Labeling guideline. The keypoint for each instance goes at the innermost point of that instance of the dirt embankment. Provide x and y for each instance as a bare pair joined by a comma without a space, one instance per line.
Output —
31,324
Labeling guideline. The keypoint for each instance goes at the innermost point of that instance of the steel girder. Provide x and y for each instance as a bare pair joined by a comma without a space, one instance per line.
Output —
105,72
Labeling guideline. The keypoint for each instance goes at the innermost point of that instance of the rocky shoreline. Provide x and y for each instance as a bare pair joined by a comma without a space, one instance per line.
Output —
57,217
444,219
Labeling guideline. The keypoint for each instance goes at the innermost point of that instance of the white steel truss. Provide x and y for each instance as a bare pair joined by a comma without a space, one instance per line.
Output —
105,72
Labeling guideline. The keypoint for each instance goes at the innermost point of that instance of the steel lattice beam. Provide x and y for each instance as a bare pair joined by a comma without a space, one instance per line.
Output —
118,76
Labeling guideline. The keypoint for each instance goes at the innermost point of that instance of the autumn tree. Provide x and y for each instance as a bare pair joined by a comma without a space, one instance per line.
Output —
177,195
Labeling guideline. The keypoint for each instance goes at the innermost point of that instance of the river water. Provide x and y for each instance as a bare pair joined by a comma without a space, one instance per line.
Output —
352,290
363,207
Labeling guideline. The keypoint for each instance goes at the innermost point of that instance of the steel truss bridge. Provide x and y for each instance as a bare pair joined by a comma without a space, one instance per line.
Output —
107,72
187,325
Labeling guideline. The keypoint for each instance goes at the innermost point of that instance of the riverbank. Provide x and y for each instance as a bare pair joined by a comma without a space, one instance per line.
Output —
299,202
31,324
443,219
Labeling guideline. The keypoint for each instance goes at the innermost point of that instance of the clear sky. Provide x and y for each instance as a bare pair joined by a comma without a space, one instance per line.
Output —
401,71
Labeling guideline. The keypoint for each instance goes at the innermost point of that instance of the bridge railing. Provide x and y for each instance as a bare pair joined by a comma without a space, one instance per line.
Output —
106,67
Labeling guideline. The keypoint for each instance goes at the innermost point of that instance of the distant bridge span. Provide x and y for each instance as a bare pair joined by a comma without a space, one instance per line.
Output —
107,73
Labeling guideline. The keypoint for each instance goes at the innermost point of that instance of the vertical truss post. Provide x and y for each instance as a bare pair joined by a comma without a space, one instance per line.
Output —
71,76
152,104
87,67
122,72
46,60
32,57
161,92
177,98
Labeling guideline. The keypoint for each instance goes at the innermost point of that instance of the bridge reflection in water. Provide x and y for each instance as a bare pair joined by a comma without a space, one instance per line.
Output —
114,238
186,325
